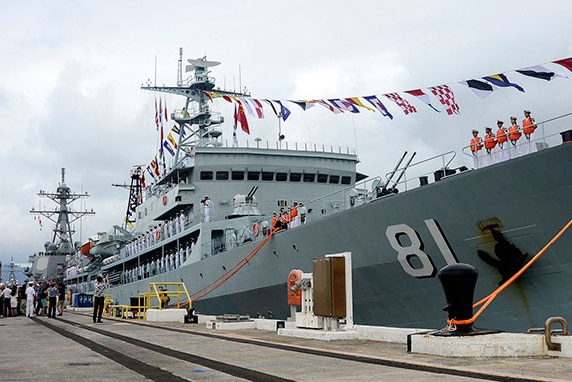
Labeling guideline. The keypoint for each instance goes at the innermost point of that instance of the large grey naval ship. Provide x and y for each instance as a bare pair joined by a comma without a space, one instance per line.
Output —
210,220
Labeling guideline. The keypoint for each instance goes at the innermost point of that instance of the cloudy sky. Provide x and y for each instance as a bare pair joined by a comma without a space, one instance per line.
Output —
71,71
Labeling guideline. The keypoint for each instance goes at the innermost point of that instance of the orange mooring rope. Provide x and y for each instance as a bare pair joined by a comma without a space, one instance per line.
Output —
231,272
487,300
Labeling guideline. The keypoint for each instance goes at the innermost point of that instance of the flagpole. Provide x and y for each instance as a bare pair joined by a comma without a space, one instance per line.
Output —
280,136
155,84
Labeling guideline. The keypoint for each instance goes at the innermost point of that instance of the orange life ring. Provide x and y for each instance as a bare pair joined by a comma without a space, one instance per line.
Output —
164,199
158,235
255,229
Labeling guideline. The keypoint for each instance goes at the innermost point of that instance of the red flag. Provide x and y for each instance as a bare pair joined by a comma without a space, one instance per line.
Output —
446,97
422,96
156,115
258,108
235,116
402,103
241,118
160,111
165,111
565,62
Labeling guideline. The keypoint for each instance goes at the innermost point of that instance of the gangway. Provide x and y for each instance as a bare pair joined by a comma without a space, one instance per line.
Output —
175,292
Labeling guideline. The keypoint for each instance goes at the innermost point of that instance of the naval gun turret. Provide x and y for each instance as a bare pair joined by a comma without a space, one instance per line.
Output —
245,205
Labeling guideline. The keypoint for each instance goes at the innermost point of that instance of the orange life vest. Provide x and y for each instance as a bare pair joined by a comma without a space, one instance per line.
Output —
513,133
528,126
476,144
294,213
501,135
490,141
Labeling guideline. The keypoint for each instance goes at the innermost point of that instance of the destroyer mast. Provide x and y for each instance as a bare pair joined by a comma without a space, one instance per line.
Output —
46,264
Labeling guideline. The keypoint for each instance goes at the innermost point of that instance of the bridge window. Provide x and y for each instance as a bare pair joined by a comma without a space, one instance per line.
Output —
237,175
222,175
267,175
322,178
346,179
334,179
253,175
295,176
206,175
309,177
281,176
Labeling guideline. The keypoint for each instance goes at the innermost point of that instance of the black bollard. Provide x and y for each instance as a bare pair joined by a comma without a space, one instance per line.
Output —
459,282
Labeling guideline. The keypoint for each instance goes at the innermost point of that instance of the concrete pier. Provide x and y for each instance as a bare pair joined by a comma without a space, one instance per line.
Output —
71,347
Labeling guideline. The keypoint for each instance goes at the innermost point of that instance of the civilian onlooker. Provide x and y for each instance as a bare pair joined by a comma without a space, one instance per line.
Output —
53,299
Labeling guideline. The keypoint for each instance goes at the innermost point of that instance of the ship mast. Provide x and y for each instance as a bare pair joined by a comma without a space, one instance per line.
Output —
198,125
135,197
63,216
12,276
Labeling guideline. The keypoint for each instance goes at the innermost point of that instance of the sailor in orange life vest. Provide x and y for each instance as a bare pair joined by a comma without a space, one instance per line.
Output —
514,135
274,222
528,128
490,143
295,218
476,146
502,145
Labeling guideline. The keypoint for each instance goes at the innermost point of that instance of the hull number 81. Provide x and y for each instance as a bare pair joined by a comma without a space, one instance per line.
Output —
409,246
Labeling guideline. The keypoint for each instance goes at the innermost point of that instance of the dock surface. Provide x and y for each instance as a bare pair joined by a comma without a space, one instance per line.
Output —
72,348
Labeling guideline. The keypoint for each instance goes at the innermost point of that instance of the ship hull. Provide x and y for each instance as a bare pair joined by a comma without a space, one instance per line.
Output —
398,244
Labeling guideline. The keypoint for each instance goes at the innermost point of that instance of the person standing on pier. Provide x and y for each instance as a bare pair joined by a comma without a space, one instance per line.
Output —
99,298
30,297
61,298
52,299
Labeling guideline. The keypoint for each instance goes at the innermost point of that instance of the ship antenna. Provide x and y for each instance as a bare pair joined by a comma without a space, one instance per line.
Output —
180,68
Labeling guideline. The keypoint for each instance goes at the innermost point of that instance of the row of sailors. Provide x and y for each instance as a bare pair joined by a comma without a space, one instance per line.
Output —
169,261
289,217
171,227
505,144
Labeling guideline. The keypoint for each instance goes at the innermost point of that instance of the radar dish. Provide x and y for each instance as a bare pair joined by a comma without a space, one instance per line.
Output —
202,63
